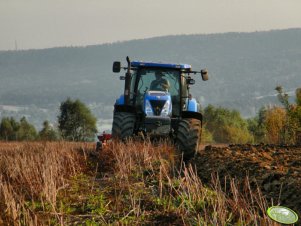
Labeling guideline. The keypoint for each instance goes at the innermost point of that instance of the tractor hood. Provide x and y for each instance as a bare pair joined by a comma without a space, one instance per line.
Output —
157,103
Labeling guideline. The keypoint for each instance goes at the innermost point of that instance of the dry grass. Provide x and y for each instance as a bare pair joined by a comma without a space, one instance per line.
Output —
126,184
35,172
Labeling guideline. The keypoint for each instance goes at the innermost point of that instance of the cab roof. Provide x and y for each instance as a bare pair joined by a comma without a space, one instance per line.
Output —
160,65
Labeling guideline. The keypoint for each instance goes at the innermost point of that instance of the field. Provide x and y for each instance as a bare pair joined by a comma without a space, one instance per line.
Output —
275,169
139,183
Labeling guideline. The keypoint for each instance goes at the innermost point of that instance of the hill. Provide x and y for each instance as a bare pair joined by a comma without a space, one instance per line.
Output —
244,69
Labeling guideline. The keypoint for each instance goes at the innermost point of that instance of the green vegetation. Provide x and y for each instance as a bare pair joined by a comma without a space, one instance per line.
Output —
10,130
48,133
291,126
257,127
226,126
272,124
76,122
26,131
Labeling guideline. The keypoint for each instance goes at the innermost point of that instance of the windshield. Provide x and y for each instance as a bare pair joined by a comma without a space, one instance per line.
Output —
160,80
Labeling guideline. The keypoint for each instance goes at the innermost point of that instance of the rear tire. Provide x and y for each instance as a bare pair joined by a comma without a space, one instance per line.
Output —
123,125
188,137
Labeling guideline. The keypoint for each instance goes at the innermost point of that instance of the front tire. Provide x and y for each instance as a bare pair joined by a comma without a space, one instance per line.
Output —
123,125
188,137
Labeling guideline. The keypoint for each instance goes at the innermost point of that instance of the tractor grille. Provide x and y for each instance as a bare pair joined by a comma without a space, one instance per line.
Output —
157,106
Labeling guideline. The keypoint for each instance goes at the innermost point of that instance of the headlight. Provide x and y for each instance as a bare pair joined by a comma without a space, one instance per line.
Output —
148,109
166,110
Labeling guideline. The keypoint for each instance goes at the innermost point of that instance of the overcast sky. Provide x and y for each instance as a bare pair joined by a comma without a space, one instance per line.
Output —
35,24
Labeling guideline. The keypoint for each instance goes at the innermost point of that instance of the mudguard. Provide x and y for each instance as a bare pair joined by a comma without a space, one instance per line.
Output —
192,114
120,100
121,107
124,108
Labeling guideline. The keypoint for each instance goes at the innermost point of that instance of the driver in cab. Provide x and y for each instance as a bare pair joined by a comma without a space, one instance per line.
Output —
160,83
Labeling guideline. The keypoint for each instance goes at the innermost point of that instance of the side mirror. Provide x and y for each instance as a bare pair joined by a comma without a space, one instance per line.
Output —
116,66
204,74
190,81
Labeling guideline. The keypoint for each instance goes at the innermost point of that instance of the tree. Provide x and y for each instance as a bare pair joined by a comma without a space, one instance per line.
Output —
298,97
76,122
283,98
26,131
9,128
293,120
237,135
47,133
275,119
16,126
226,126
6,129
206,136
257,126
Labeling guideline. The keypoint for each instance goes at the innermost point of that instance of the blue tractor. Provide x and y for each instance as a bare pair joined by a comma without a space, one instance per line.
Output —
156,102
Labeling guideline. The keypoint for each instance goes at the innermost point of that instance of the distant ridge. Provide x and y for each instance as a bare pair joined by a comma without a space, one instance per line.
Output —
242,66
150,38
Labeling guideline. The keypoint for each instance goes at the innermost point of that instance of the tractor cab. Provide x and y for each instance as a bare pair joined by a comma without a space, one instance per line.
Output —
155,79
156,90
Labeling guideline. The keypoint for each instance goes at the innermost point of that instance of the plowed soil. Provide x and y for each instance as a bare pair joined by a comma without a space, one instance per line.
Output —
275,169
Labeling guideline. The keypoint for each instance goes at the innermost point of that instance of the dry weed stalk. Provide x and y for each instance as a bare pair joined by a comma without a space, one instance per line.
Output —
246,205
137,156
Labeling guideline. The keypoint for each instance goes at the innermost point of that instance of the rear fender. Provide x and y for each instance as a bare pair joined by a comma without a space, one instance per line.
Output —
192,114
120,100
124,108
121,107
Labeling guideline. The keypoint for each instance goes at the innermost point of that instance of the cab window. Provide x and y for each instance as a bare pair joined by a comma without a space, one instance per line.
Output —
147,76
